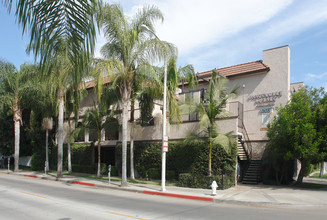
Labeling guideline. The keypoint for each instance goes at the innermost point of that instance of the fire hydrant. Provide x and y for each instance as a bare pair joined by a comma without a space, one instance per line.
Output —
214,186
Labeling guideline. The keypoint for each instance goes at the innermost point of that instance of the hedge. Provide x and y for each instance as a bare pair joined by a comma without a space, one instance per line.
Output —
182,158
81,155
92,169
199,181
155,174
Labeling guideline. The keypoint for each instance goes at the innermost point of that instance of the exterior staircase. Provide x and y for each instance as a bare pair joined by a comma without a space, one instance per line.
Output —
253,174
240,148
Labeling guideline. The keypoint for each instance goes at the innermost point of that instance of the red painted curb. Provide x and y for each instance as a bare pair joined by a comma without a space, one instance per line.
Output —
178,195
82,183
33,176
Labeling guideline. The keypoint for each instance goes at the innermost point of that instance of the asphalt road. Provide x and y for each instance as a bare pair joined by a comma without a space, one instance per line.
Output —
28,198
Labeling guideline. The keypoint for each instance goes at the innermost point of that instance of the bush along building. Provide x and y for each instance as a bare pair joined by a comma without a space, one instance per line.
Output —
262,86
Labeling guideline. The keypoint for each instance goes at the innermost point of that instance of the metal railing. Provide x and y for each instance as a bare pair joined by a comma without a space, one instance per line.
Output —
247,142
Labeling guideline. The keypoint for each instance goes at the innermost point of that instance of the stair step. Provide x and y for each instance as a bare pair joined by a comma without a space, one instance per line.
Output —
249,182
255,169
253,173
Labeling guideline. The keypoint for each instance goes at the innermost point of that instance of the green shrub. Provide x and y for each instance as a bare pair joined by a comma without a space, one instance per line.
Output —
170,175
146,156
83,168
38,161
276,169
153,173
103,169
309,169
114,171
204,182
185,180
82,154
181,157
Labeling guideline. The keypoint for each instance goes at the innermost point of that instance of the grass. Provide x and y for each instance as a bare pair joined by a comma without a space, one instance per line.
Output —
316,175
92,176
152,182
312,186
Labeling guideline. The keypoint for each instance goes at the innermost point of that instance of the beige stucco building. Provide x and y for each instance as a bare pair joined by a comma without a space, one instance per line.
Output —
263,86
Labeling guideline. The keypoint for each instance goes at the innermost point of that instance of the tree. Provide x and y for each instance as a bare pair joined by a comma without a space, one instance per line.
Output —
184,74
17,91
187,75
293,132
129,49
101,115
216,99
64,76
47,111
322,128
49,24
6,128
47,124
147,93
73,97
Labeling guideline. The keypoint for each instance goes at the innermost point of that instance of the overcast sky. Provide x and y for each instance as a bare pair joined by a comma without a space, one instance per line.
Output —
217,33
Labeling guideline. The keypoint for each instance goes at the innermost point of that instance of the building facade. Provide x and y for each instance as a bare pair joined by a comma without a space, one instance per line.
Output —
263,86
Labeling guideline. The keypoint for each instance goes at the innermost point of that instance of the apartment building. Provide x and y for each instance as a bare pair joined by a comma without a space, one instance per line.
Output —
263,86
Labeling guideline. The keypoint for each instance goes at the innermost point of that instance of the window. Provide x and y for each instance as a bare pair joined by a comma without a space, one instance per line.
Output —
81,135
265,118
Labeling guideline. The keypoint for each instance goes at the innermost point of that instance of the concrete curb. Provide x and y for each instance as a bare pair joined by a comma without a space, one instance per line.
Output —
83,183
149,192
33,176
249,203
182,196
178,195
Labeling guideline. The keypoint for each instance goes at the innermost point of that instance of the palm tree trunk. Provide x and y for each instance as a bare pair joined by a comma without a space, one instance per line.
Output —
99,154
17,136
210,152
47,149
60,134
132,158
69,159
132,139
124,141
322,168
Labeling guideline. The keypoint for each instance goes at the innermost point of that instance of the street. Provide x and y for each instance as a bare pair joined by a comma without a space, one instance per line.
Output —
29,198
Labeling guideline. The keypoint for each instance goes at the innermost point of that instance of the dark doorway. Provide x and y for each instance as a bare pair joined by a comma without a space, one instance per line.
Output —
107,155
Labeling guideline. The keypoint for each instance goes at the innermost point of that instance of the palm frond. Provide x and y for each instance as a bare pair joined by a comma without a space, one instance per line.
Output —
205,122
147,15
187,74
195,137
48,21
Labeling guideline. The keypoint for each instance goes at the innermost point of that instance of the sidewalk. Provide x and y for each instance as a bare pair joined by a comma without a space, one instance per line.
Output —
241,194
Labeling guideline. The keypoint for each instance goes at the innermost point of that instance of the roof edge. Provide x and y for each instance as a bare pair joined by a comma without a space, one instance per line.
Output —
276,48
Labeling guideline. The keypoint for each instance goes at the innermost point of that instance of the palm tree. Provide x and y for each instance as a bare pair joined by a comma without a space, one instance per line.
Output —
47,125
130,48
73,97
47,111
18,90
216,98
174,77
187,75
64,76
49,22
101,115
146,94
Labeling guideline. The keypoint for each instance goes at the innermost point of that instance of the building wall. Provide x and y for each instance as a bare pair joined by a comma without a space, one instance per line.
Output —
260,93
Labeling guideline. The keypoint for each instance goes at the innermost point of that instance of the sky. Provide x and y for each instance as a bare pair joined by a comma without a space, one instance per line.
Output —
218,33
